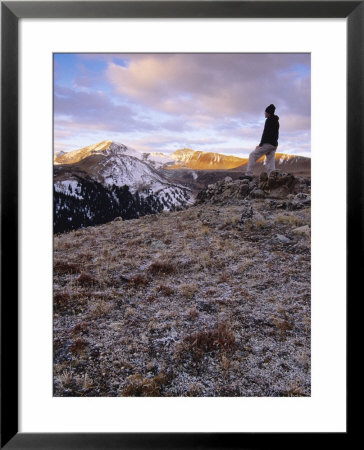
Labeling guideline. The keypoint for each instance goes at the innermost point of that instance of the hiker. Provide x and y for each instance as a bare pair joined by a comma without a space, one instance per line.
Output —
268,144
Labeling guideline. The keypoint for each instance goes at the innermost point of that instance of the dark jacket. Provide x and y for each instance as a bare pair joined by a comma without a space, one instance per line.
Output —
271,131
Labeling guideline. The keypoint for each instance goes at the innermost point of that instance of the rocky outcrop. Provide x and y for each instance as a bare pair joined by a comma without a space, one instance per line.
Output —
283,189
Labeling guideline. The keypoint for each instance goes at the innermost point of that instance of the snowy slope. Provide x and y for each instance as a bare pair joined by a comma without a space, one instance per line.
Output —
112,163
157,159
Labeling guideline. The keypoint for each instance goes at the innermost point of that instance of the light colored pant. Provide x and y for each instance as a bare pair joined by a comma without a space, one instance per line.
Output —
269,151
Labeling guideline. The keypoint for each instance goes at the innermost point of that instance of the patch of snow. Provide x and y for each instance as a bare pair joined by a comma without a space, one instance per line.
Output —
69,187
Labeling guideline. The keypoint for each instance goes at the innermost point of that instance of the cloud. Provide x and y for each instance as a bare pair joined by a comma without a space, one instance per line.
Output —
214,84
210,101
96,110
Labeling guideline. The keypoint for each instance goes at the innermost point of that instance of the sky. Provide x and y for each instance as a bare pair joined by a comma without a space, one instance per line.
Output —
164,102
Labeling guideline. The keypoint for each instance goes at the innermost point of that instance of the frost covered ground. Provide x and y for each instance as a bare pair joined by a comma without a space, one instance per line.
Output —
210,301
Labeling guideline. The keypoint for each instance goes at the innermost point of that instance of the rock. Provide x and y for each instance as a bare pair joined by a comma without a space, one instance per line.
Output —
283,239
158,245
279,192
303,198
257,193
281,184
302,231
247,212
226,194
263,177
263,181
243,189
228,180
276,204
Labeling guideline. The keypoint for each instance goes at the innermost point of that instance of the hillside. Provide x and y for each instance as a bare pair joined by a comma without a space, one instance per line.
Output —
197,160
213,300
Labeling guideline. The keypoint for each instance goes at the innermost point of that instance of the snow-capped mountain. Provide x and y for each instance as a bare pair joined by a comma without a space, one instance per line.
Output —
102,181
112,163
105,169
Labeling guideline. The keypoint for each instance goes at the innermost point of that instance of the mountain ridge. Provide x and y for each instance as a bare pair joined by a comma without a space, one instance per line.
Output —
155,181
185,158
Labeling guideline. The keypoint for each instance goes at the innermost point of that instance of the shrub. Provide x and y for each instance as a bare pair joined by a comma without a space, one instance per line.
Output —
188,290
282,325
62,267
80,328
61,301
64,302
101,309
139,280
85,279
78,346
138,386
290,219
161,268
193,313
165,290
219,338
224,277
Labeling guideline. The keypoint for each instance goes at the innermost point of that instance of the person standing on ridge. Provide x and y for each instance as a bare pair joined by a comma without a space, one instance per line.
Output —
268,144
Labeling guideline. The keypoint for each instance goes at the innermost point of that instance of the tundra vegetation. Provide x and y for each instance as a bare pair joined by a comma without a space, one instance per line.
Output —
213,300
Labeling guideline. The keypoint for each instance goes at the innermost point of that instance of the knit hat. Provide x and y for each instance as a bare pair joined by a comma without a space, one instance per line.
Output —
270,109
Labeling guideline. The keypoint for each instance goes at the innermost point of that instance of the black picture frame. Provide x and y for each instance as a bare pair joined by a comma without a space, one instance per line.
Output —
11,12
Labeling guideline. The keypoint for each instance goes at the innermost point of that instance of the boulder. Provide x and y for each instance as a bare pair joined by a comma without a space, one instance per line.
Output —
243,189
263,181
281,184
257,193
302,231
283,239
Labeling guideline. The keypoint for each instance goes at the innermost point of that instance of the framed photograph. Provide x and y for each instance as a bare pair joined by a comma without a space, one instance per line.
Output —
156,164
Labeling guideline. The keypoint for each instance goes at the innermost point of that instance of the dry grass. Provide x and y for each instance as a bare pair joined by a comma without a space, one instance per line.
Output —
139,386
139,280
282,325
80,328
165,290
219,338
291,219
86,280
62,267
61,301
78,346
209,312
161,268
193,313
101,309
188,290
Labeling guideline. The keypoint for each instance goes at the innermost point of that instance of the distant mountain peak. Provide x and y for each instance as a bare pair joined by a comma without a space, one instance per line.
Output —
198,160
105,147
77,155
